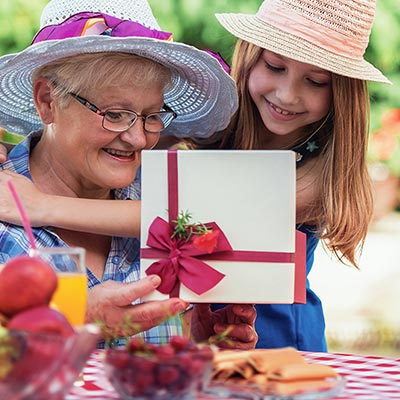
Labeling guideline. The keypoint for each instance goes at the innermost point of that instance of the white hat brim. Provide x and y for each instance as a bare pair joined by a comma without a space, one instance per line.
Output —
202,94
252,29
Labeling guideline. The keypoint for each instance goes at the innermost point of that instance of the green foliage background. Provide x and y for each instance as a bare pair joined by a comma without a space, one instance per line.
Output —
193,22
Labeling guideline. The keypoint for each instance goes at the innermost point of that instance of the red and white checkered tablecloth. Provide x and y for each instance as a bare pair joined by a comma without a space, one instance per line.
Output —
368,377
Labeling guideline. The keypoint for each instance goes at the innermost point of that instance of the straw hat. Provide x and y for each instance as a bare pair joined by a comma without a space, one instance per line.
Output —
330,34
202,93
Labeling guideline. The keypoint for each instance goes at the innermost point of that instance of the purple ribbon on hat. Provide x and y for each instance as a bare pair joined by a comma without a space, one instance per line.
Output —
84,24
88,23
220,59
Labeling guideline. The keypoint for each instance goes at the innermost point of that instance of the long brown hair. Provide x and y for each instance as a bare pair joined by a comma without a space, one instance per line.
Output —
342,208
344,183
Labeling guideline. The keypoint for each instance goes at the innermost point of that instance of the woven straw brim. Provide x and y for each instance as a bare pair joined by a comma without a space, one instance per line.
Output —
202,93
252,29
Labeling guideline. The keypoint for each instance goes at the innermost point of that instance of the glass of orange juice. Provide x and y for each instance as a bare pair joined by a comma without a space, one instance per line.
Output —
71,294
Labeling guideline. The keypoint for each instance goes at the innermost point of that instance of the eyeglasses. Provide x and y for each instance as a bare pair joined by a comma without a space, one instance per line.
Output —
116,120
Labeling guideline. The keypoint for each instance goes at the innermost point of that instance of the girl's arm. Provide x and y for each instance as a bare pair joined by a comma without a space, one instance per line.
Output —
3,153
106,217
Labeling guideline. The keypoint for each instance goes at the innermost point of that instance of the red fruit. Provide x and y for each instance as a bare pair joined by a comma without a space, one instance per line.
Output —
196,367
118,358
39,353
144,364
167,374
41,319
205,353
136,343
179,342
25,282
143,381
165,354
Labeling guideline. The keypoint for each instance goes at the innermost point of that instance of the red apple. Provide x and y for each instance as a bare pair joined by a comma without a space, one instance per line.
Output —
35,358
41,319
25,282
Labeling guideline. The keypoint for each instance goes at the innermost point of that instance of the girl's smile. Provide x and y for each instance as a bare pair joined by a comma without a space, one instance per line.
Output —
280,113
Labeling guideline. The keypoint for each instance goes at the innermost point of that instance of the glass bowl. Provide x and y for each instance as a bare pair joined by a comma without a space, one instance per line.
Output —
161,372
37,366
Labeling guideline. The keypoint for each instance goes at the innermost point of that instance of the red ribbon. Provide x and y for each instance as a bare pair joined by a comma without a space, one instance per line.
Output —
180,261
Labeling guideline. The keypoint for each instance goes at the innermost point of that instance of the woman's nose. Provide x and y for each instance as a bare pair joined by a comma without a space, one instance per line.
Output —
136,136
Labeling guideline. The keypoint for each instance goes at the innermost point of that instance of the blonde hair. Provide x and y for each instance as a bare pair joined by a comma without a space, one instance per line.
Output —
342,209
104,70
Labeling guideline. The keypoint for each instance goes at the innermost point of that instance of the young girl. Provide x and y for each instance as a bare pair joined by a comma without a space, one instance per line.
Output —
301,80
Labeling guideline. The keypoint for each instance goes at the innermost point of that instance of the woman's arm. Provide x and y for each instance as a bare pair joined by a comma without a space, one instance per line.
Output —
106,217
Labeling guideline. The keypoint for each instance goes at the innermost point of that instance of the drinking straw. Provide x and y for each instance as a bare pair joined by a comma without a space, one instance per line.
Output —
25,220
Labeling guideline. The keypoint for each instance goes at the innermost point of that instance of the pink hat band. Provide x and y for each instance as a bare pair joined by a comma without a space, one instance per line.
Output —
320,29
330,34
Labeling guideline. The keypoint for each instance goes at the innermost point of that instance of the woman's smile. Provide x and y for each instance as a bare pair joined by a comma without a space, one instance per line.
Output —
121,155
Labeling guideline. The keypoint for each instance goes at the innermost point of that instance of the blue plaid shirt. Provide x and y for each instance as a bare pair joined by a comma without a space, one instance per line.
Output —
123,261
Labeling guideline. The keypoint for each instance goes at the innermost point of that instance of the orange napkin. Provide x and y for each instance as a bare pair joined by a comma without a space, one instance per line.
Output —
302,371
266,360
281,370
262,360
297,387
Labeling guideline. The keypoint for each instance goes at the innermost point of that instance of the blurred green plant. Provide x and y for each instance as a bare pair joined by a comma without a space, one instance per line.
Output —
384,53
19,21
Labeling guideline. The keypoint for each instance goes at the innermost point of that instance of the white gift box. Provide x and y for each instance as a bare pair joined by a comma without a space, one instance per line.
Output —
251,196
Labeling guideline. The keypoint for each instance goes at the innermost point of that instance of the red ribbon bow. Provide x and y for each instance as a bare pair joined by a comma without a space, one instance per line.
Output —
179,259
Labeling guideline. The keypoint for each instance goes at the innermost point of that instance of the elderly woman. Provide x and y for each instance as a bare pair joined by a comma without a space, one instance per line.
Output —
96,87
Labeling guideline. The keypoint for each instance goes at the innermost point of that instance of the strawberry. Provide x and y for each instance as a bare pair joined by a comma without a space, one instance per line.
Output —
167,375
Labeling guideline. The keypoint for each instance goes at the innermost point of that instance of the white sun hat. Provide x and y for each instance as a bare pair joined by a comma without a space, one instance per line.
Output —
330,34
202,93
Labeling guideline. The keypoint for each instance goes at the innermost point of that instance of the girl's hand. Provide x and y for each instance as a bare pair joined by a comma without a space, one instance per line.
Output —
236,320
32,199
3,153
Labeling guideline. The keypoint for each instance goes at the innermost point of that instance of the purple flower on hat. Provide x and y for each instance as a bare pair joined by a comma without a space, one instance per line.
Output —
84,24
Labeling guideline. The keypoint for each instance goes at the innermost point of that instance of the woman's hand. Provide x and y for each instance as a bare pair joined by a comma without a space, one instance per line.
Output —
32,199
236,320
110,304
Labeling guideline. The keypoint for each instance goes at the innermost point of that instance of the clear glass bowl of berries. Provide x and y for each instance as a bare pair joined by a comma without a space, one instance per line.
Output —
43,366
176,370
